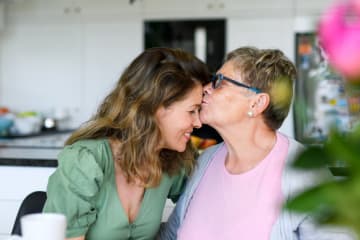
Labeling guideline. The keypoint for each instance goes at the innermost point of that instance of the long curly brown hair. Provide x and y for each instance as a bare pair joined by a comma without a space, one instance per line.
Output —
157,77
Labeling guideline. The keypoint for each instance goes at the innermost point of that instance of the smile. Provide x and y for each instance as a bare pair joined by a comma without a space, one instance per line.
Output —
187,135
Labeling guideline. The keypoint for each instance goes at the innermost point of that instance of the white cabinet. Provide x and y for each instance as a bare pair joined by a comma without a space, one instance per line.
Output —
259,8
15,184
109,8
173,6
311,8
185,9
216,8
232,8
71,10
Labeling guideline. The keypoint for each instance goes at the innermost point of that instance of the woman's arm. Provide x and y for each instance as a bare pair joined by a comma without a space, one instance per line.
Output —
73,187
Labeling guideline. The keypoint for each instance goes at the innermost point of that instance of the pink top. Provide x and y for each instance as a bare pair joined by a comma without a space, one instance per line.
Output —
241,206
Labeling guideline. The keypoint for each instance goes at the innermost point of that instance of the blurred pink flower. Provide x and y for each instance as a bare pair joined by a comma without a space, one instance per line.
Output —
339,35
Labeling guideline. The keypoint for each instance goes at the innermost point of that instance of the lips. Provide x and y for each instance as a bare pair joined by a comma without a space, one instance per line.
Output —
187,135
204,101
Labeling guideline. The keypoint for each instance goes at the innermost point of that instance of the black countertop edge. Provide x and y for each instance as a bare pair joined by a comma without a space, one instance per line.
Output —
25,162
29,147
42,133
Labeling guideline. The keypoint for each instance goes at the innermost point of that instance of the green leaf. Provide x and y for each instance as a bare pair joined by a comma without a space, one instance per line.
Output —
331,193
311,158
345,149
311,200
355,134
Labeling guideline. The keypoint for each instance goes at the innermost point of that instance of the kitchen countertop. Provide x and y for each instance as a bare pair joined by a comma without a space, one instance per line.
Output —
39,151
42,151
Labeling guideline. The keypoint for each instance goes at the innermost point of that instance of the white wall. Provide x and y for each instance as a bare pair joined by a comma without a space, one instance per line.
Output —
68,54
54,57
264,33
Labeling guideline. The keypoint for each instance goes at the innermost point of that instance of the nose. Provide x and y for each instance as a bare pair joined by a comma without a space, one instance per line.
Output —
207,89
197,123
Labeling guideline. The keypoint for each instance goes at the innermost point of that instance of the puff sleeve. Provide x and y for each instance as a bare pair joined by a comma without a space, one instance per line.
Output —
73,187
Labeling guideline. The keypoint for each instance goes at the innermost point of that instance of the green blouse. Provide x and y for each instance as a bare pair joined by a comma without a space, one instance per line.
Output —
83,188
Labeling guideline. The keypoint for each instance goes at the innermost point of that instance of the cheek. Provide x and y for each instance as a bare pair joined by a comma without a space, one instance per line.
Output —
165,127
182,122
168,128
203,116
228,99
173,125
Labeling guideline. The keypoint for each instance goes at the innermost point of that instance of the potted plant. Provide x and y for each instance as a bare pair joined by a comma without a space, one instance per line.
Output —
337,201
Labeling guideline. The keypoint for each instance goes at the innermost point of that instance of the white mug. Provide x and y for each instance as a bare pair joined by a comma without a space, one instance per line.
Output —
43,226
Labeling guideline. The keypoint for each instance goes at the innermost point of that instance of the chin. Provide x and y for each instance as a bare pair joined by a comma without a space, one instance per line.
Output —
176,147
180,148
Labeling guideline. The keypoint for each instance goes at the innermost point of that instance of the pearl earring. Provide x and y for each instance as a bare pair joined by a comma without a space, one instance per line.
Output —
250,113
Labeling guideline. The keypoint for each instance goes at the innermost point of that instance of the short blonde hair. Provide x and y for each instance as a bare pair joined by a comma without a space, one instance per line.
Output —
270,71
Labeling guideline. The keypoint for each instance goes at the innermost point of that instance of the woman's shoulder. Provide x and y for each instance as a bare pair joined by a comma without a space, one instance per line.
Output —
81,167
86,152
91,144
208,154
211,150
94,146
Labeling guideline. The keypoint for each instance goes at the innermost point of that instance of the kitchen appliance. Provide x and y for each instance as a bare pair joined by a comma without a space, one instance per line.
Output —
204,38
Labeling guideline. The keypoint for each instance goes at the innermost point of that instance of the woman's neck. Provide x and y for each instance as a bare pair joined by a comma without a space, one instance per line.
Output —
247,146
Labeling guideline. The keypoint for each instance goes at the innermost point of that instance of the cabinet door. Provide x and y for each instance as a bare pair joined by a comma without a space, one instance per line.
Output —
171,5
107,9
311,8
15,184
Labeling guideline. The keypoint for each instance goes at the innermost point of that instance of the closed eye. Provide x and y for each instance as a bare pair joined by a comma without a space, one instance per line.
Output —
195,111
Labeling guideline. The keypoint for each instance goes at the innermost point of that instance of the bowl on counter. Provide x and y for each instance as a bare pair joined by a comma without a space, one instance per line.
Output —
5,124
27,125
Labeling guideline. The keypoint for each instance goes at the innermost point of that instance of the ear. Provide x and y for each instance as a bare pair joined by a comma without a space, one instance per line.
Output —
160,113
259,103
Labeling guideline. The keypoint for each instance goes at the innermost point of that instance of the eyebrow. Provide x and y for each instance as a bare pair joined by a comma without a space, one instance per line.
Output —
196,105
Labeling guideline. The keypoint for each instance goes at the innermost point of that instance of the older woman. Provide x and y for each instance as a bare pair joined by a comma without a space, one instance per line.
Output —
239,186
